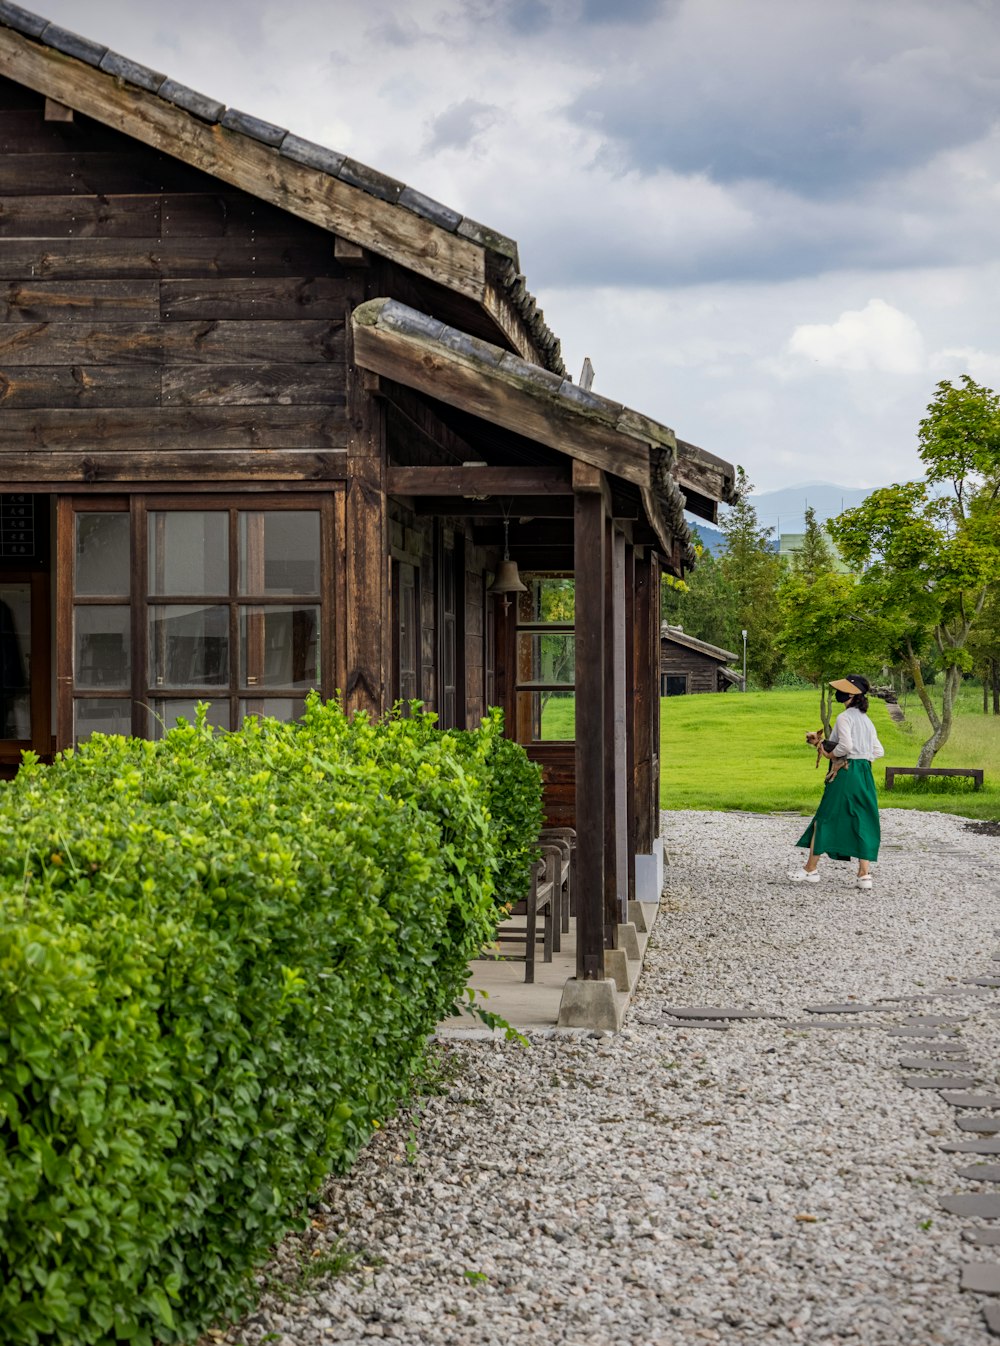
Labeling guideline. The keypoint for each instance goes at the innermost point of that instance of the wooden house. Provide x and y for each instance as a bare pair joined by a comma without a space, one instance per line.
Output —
269,419
690,665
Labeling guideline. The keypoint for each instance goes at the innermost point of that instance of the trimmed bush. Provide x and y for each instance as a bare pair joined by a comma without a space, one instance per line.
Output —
220,959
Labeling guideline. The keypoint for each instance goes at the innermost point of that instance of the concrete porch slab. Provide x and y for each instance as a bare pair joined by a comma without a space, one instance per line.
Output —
537,1005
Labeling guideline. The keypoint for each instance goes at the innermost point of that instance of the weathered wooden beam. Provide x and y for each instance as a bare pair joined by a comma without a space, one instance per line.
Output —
158,343
589,568
100,254
702,474
497,507
57,112
367,632
173,428
18,470
473,481
535,533
477,380
646,666
334,205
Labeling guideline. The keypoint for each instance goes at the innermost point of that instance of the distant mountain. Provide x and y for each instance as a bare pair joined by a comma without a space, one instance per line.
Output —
784,510
709,537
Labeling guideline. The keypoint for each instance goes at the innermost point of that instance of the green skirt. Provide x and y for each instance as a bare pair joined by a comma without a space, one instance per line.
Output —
846,824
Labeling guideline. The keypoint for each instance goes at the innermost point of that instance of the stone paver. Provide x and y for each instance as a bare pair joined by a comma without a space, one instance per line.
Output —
981,1206
983,1236
974,1123
971,1147
849,1007
981,1277
932,1062
922,1032
717,1012
981,1172
939,1082
971,1100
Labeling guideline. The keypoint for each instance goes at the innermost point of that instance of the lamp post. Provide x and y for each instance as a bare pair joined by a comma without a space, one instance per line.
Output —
744,635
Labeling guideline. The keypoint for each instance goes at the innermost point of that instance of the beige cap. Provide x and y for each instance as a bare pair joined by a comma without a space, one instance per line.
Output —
852,685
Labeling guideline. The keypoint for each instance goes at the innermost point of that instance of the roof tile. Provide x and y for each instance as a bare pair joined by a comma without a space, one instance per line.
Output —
22,20
131,71
488,238
464,344
198,104
370,180
312,155
399,318
73,44
430,209
513,364
266,132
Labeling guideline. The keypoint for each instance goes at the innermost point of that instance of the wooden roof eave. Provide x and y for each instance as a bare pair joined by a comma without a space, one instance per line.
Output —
397,342
319,185
706,480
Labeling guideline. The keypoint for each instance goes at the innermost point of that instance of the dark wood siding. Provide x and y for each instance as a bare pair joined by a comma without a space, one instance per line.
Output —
702,670
151,316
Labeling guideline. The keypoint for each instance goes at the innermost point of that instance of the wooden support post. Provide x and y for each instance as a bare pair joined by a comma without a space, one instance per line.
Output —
654,621
646,681
620,739
589,568
612,916
366,625
631,689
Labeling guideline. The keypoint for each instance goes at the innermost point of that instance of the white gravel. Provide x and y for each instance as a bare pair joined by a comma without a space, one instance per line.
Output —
673,1186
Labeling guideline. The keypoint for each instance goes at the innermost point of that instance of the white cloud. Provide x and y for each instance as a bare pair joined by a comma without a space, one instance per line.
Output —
876,338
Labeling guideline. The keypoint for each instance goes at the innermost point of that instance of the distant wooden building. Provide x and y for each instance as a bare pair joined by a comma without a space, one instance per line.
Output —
690,665
270,419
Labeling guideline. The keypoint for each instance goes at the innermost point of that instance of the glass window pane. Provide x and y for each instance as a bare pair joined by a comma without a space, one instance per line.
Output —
274,707
102,646
188,646
103,556
546,657
279,552
279,647
164,713
550,598
188,552
546,717
109,715
15,661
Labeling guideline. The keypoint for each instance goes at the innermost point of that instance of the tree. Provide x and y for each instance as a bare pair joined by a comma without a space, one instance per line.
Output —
826,631
929,560
702,603
751,569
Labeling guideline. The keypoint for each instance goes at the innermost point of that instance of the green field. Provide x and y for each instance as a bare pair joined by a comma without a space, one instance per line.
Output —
746,751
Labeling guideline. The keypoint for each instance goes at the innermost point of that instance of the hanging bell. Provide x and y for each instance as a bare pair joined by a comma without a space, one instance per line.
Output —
507,580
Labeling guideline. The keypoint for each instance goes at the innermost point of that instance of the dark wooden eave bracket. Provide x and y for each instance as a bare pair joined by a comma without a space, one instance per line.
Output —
705,480
422,353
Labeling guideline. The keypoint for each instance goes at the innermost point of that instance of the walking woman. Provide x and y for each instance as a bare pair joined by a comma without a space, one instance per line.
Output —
846,824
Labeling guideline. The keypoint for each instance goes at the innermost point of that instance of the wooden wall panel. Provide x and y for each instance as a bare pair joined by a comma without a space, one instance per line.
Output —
151,317
98,252
701,669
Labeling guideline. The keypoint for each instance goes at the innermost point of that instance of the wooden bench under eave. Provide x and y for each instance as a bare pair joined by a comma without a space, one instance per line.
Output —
891,772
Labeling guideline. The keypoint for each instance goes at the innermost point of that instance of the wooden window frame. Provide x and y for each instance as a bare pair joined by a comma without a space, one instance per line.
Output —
138,506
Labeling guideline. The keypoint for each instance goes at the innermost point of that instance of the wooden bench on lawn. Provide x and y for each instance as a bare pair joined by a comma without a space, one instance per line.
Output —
891,772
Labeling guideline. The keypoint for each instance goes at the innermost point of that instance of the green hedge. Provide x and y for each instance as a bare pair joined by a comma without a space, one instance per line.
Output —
220,958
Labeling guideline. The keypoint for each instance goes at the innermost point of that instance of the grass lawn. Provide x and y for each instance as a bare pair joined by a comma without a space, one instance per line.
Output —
746,751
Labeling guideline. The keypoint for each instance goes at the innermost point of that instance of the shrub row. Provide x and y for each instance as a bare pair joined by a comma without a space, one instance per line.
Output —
220,959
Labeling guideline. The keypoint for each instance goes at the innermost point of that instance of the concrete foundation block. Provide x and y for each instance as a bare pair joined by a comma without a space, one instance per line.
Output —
628,939
617,968
646,887
637,917
591,1004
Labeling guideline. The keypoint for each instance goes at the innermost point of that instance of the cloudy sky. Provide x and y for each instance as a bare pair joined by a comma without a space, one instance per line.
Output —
771,224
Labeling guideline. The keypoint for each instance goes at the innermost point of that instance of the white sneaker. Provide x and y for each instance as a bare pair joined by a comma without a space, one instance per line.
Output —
864,881
804,876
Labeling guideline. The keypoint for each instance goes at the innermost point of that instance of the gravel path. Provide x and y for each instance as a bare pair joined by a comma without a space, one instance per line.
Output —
762,1184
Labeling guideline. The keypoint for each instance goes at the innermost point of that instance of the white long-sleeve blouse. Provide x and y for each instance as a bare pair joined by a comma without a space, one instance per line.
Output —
854,736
